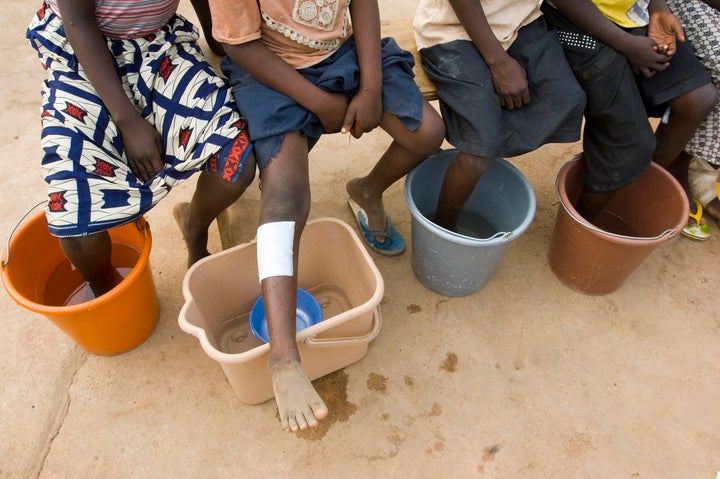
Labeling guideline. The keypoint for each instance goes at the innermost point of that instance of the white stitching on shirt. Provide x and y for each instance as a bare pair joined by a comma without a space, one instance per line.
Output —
303,39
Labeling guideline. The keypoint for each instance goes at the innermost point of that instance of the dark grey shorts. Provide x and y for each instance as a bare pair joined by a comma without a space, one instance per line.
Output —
475,121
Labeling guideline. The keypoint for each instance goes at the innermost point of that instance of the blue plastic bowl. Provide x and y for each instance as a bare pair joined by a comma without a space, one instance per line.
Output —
308,312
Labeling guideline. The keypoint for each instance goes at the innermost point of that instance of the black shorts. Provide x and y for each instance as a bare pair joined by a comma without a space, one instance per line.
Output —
618,140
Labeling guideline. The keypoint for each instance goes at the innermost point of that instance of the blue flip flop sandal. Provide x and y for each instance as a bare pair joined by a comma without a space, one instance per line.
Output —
392,244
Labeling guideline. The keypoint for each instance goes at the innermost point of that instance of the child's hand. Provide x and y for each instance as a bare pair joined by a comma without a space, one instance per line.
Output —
510,83
665,28
331,111
143,148
363,114
642,54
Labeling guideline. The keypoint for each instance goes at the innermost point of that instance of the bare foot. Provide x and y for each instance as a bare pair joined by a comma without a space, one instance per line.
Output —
298,403
372,204
98,288
196,242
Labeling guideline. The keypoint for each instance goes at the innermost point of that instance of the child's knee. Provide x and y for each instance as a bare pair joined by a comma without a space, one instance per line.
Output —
289,202
473,165
696,104
430,135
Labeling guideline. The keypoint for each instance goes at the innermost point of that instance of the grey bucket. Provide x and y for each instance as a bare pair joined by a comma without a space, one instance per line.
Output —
454,264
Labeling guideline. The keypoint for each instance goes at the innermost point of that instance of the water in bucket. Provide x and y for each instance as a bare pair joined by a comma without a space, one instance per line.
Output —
65,285
234,336
499,210
472,225
613,223
475,226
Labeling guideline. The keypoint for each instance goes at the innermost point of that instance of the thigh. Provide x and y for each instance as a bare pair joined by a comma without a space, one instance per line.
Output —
468,102
684,74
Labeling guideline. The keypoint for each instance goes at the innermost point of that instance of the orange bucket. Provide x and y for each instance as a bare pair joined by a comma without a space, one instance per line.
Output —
38,276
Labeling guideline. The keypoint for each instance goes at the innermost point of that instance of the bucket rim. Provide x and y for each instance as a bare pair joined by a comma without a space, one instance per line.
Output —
303,336
143,226
457,238
566,205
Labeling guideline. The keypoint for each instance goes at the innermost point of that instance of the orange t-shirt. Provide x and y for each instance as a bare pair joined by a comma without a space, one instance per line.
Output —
301,32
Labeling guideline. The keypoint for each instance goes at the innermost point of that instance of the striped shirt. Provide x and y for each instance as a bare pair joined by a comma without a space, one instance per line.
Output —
129,18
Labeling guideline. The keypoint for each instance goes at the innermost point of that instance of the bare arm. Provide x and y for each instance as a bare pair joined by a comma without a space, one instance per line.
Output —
640,51
365,109
509,78
664,27
273,71
202,10
140,139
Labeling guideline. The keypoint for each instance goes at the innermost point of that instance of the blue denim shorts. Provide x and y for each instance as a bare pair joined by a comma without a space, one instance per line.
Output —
270,114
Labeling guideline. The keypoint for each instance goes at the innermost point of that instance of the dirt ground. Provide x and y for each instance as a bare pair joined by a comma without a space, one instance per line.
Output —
523,379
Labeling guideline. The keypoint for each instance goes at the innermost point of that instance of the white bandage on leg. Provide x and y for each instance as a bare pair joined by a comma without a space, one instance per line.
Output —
275,249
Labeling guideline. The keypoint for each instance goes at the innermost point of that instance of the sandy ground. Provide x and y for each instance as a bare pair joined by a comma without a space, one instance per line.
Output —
523,379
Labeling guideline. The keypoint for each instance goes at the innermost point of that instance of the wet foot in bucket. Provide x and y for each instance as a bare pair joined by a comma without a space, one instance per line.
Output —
94,289
299,405
195,241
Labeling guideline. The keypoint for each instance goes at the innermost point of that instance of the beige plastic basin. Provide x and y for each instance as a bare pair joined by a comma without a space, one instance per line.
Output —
334,266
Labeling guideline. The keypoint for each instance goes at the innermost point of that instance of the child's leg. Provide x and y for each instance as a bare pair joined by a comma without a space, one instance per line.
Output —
687,111
286,198
213,194
91,256
590,204
461,176
407,150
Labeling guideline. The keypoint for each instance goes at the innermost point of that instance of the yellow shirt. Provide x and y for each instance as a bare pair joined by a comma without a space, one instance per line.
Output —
626,13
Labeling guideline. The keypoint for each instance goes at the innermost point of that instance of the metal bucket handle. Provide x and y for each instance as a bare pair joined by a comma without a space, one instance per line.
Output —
503,235
314,342
670,232
6,260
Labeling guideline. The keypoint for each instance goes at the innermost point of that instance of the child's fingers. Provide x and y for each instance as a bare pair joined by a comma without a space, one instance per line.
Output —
348,121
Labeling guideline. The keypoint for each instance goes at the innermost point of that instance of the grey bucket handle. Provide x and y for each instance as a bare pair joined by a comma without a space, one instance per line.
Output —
670,232
7,243
314,342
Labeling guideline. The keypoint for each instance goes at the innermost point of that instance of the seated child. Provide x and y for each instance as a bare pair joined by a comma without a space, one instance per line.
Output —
503,84
299,70
131,109
697,170
626,57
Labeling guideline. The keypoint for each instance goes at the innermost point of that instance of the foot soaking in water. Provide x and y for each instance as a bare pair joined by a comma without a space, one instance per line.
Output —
484,68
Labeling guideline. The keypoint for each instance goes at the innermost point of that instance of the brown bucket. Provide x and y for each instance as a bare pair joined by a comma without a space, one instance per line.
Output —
597,258
39,278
